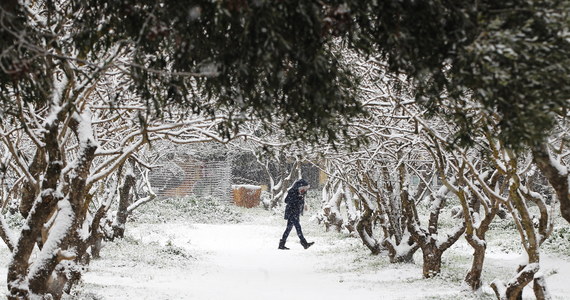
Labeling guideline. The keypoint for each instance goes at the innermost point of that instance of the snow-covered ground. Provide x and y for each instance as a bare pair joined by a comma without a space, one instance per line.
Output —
241,261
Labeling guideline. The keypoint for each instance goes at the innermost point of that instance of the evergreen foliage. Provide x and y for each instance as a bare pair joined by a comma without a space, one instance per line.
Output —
270,60
275,60
512,57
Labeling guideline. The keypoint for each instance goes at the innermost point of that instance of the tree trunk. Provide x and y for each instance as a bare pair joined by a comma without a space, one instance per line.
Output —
513,290
6,235
95,240
47,274
432,261
399,256
19,266
540,290
124,201
96,248
403,258
352,216
29,191
364,229
558,179
56,285
473,277
331,211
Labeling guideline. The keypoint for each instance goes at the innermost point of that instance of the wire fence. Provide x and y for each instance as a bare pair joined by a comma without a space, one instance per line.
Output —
179,177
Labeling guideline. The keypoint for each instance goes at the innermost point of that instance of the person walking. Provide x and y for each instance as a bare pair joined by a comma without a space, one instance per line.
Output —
295,203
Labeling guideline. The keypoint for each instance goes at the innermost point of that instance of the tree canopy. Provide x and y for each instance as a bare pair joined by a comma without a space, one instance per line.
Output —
265,58
249,58
510,56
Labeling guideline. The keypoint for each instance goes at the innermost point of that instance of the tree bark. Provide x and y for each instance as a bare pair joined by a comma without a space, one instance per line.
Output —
432,251
331,210
124,201
404,258
18,267
79,199
352,216
514,288
432,261
6,235
96,247
557,178
473,277
30,191
65,196
364,229
397,257
45,203
540,290
286,180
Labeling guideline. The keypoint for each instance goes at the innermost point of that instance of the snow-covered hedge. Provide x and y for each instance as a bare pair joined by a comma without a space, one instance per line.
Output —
191,209
559,241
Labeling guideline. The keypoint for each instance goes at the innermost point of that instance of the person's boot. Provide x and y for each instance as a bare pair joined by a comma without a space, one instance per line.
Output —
282,245
306,245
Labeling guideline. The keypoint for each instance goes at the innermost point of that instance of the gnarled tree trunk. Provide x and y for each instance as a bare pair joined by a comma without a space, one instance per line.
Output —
333,196
557,176
364,229
473,277
61,204
427,239
125,198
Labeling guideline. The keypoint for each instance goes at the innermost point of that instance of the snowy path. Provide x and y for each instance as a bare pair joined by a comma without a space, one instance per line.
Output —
240,262
245,264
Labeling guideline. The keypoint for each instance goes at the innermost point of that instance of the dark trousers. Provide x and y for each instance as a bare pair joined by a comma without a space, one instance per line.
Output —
290,223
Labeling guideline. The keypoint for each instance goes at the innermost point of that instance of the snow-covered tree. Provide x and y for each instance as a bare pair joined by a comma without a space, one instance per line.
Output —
509,57
551,158
62,153
533,229
380,173
485,178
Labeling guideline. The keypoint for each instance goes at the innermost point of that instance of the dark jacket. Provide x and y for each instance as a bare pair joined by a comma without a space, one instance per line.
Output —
295,201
